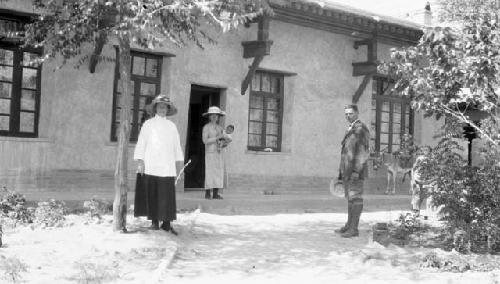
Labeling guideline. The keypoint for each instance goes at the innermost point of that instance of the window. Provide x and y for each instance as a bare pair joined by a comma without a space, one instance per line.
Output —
265,112
146,84
20,82
391,116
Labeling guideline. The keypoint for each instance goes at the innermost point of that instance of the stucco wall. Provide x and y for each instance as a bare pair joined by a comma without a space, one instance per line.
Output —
75,115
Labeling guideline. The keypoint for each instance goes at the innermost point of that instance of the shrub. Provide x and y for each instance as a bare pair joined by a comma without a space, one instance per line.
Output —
470,195
89,272
50,213
13,206
405,225
97,208
12,268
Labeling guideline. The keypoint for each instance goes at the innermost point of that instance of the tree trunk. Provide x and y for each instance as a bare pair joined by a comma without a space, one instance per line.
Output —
121,172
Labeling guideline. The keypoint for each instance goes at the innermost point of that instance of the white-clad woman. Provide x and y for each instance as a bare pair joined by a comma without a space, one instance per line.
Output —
214,160
159,155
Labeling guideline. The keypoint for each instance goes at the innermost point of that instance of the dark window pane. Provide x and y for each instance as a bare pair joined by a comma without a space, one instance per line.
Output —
256,114
384,117
254,140
272,104
397,108
148,89
272,116
27,123
4,122
28,100
275,85
396,127
151,67
5,90
256,101
384,138
272,141
272,128
30,59
256,82
6,73
396,117
386,106
138,65
29,78
266,83
5,106
6,57
255,127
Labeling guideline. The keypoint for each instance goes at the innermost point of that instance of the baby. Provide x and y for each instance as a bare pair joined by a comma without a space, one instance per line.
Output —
226,138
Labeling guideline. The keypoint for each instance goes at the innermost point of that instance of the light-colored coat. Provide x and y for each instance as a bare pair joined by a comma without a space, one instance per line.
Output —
214,160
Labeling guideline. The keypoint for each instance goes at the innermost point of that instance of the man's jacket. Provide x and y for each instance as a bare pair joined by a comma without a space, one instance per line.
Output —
355,151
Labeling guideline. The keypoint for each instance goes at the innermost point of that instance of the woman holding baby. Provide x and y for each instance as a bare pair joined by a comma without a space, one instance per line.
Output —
215,138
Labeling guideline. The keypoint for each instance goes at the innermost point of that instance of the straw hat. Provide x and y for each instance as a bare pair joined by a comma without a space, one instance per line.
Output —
161,98
214,110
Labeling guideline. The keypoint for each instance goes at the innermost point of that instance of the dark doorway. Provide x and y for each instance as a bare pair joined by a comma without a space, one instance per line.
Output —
201,98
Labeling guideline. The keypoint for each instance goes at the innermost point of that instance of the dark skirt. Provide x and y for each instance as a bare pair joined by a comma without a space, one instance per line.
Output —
155,197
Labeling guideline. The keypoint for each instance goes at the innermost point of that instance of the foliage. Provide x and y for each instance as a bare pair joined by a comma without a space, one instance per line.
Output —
96,208
13,206
453,70
406,224
12,268
50,213
89,272
66,27
470,195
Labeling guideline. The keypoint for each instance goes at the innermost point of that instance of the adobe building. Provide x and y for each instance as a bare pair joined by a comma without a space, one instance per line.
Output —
283,82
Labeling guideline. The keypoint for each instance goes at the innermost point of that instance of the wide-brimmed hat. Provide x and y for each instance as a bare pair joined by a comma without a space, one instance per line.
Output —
214,110
161,98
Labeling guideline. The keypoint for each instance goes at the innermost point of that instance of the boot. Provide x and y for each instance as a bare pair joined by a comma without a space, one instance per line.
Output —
207,194
168,228
357,208
155,225
216,194
349,219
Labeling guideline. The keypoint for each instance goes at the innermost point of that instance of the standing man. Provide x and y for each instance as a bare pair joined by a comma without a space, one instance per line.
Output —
353,169
157,151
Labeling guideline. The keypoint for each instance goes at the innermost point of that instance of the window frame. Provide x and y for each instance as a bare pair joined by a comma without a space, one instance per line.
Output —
380,95
17,88
280,96
137,79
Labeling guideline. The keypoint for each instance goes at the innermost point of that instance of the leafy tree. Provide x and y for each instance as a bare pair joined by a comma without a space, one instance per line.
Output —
454,72
454,69
70,28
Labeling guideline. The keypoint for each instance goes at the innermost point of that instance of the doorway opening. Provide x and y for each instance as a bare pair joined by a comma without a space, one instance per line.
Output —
201,98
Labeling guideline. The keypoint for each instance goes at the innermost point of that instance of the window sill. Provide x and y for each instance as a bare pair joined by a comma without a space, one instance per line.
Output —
26,139
252,152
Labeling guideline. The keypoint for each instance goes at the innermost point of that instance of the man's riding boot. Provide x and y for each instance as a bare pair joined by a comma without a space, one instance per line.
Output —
357,208
216,194
349,219
207,194
155,225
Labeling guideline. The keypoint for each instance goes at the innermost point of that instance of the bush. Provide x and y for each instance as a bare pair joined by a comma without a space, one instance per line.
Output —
50,213
97,208
12,268
405,225
470,195
13,206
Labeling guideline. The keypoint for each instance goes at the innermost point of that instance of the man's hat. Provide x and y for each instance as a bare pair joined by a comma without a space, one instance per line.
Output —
161,98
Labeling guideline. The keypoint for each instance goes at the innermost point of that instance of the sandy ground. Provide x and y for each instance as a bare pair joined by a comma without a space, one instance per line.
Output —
286,248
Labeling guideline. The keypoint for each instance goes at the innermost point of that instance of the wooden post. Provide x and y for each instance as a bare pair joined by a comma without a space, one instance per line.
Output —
121,172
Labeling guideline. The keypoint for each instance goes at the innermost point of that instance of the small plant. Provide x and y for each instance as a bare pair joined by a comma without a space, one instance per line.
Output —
89,272
96,208
406,225
13,206
12,268
50,213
